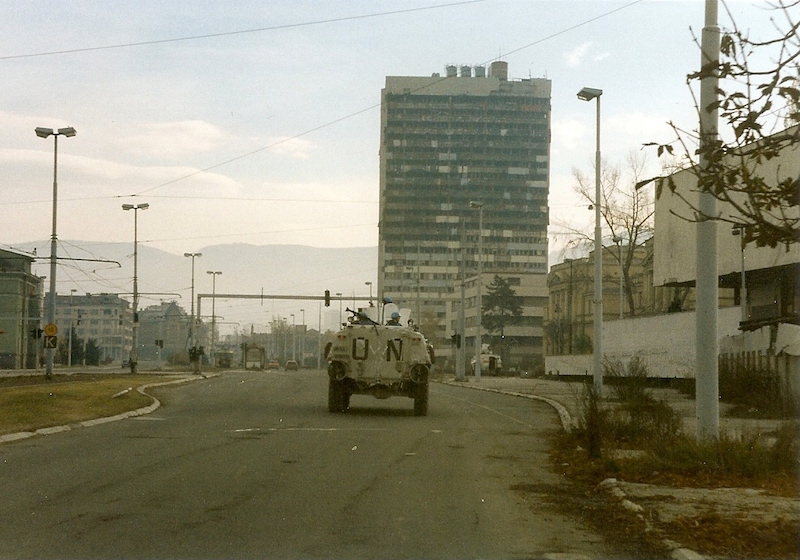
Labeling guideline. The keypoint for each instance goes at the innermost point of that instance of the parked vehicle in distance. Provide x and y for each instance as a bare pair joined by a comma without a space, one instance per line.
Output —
291,365
274,364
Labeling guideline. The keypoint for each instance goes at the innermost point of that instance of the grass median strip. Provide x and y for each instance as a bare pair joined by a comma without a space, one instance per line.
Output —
32,403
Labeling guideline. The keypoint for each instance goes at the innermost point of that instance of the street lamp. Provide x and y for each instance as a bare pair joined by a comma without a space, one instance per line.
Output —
69,342
194,356
479,305
370,292
51,304
740,231
303,337
618,241
587,94
294,346
135,334
339,295
214,274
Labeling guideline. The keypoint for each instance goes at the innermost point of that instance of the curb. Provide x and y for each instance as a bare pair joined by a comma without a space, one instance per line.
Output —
563,414
97,421
677,552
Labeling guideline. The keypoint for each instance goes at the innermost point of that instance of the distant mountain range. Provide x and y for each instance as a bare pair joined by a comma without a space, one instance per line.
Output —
92,267
246,269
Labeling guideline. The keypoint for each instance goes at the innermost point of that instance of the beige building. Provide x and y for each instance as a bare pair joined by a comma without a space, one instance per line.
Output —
169,324
523,340
20,311
569,314
105,318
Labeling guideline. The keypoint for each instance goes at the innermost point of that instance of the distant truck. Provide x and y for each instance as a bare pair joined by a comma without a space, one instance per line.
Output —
367,358
254,356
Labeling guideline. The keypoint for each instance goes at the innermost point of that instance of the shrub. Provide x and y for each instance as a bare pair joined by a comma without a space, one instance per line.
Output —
627,384
755,392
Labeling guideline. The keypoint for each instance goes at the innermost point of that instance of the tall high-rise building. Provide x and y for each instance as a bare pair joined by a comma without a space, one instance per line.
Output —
448,141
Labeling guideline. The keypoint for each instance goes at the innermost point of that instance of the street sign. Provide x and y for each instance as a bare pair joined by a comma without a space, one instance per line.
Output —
51,342
50,329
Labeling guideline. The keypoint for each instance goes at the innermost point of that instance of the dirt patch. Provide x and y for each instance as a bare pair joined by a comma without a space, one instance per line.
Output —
625,533
714,515
736,538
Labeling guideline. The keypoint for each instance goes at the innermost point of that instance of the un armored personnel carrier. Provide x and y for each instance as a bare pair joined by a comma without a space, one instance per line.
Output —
369,358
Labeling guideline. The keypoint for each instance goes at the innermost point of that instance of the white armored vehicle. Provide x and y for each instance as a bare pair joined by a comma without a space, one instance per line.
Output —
368,358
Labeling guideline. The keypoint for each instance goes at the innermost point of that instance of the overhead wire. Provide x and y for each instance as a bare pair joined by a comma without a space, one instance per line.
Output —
238,32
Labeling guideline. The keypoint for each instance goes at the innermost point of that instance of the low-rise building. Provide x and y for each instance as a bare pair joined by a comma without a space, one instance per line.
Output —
164,332
20,311
522,342
104,318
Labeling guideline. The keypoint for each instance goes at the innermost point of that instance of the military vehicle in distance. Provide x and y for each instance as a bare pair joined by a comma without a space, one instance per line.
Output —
368,358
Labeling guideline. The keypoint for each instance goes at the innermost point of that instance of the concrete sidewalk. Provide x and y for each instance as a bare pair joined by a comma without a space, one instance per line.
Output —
569,395
656,505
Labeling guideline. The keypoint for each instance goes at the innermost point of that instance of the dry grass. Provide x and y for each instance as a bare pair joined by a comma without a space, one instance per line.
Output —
32,403
709,534
737,538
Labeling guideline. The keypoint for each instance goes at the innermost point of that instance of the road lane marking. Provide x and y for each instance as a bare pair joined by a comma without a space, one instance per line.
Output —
299,429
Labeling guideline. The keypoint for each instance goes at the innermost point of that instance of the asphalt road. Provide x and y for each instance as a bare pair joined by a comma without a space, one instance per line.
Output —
252,465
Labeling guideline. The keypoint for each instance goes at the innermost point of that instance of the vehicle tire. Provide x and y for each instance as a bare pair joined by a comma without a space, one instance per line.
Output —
337,398
421,400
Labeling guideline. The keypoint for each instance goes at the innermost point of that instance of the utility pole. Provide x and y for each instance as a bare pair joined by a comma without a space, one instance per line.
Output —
706,342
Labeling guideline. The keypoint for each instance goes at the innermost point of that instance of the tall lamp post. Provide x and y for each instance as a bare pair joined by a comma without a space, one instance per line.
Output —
339,295
214,274
69,342
303,338
618,241
51,302
135,331
195,357
587,94
707,283
479,303
294,346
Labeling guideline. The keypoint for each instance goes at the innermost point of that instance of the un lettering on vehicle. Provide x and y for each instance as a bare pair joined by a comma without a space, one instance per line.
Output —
394,349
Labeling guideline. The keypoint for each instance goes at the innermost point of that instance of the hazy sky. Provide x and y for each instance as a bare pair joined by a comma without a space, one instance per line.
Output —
258,121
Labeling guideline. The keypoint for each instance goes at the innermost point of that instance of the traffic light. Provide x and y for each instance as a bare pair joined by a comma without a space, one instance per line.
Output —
327,298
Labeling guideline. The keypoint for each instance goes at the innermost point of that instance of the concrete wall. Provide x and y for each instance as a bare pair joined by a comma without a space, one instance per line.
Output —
666,343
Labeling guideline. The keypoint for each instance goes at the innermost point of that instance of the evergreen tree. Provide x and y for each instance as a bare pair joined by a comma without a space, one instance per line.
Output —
501,308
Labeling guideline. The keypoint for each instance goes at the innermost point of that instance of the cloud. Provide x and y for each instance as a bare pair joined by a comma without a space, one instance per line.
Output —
175,139
296,148
576,55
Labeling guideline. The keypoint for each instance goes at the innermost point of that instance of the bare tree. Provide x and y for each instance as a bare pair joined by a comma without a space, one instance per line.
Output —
627,213
758,94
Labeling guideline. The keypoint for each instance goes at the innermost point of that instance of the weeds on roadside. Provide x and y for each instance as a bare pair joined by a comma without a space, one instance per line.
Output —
633,418
750,457
756,392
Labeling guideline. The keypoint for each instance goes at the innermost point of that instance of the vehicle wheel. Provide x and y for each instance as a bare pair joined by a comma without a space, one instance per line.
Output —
337,398
421,400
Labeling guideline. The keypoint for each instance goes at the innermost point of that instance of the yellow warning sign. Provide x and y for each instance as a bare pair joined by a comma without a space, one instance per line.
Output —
50,330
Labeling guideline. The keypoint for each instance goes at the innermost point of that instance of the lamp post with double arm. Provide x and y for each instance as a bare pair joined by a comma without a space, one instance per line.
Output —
134,358
51,302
